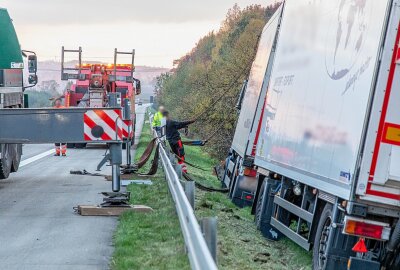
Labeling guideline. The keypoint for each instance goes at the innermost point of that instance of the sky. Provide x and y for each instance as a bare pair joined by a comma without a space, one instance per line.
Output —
159,30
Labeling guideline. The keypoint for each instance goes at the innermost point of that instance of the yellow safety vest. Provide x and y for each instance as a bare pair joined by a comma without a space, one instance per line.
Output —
157,119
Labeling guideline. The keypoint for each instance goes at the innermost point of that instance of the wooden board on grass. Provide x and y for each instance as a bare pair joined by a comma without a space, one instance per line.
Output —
95,210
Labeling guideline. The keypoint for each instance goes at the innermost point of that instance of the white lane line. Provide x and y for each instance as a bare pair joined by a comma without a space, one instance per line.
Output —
34,158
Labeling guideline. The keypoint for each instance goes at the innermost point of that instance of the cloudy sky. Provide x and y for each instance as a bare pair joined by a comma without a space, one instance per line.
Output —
159,30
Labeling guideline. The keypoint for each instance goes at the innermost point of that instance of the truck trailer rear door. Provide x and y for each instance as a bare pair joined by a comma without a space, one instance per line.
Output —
379,179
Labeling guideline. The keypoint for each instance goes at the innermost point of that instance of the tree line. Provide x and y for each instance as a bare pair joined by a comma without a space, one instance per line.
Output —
208,80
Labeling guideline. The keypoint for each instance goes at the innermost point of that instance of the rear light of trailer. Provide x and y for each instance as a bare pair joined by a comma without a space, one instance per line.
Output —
250,172
366,228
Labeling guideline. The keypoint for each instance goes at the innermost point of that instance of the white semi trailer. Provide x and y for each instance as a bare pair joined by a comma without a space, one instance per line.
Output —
328,154
240,175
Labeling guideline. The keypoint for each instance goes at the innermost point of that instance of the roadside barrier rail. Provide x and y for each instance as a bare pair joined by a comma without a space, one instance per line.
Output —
198,252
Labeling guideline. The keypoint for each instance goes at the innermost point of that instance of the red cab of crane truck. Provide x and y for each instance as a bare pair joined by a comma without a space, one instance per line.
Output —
98,85
97,75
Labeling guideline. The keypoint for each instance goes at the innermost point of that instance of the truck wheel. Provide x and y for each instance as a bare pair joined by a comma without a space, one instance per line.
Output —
80,145
284,216
5,161
234,177
259,207
321,238
70,145
17,152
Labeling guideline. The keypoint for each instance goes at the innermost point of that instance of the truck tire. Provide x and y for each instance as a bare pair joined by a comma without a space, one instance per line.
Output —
259,207
234,177
5,161
16,160
321,238
70,145
80,145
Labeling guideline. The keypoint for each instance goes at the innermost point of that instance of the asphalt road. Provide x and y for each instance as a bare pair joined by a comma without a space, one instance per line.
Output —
38,227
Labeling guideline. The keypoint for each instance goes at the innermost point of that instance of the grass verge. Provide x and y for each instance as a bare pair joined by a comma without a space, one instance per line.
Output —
153,240
240,244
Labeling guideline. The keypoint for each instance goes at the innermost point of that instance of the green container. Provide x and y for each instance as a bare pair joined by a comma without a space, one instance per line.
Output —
26,101
10,50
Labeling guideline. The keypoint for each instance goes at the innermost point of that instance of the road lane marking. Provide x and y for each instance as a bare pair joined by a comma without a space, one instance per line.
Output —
34,158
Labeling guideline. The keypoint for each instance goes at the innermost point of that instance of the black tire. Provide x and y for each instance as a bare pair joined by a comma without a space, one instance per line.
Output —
284,216
234,177
70,145
321,238
5,161
17,153
80,145
259,207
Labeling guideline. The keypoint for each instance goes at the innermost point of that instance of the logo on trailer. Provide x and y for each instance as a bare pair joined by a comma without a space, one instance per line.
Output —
102,125
273,233
347,33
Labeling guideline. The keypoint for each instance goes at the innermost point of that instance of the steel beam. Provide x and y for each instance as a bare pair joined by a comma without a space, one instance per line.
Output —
46,125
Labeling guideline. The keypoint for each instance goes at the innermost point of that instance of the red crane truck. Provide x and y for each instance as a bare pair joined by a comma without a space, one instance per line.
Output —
94,82
328,151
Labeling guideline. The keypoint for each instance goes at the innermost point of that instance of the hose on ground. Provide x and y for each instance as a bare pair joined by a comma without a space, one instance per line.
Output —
154,164
203,187
85,172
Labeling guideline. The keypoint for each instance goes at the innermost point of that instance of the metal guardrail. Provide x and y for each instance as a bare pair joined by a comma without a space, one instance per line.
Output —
199,255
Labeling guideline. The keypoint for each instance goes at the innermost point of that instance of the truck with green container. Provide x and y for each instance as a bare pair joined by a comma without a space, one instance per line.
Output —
12,70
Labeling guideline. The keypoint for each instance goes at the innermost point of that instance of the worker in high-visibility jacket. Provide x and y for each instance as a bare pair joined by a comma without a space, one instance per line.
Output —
158,120
174,138
61,148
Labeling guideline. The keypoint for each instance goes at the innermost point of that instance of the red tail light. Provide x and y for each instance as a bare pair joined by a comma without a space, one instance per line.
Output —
366,228
250,172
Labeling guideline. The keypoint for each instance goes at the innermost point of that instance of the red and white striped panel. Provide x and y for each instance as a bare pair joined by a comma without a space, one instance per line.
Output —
127,129
102,125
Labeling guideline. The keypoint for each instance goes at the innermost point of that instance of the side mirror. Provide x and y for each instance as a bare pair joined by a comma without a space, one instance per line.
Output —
32,64
32,79
138,87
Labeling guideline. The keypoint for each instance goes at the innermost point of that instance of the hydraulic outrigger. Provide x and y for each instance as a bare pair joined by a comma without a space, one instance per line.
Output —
36,126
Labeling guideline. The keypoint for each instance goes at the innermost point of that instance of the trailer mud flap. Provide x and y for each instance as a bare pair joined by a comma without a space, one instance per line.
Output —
360,264
340,250
267,207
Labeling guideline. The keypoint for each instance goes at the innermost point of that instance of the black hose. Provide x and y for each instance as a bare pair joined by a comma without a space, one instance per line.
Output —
202,187
395,239
392,245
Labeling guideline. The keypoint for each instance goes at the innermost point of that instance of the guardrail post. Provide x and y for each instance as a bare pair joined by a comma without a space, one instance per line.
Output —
189,188
178,170
209,229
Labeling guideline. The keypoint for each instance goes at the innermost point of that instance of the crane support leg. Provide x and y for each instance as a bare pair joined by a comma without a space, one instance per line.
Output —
116,161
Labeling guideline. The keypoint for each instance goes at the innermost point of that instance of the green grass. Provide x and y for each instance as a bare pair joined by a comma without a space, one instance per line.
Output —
153,240
240,244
